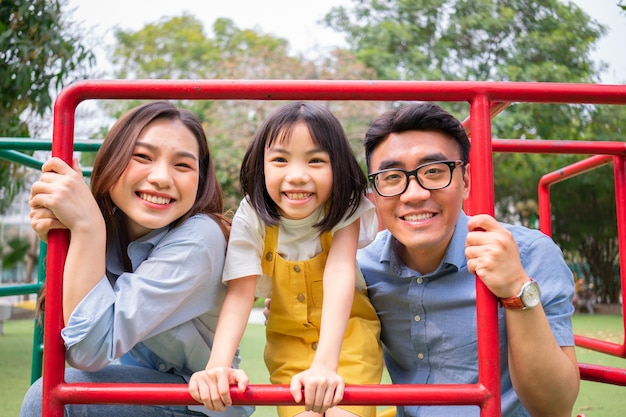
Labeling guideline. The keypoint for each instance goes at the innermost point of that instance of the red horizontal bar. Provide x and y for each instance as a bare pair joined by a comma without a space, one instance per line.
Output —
369,90
388,394
610,348
559,146
574,169
604,374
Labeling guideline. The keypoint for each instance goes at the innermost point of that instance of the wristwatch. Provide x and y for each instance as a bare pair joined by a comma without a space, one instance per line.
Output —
528,297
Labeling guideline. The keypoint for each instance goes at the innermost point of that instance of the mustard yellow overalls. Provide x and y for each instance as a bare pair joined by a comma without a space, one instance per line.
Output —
293,326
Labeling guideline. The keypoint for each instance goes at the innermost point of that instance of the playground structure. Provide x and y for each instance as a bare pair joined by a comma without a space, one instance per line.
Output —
485,99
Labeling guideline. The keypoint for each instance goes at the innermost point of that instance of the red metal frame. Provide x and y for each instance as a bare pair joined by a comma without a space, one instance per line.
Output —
480,95
608,152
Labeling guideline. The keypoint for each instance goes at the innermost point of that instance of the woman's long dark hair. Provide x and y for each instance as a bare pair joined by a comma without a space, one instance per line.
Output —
117,150
115,154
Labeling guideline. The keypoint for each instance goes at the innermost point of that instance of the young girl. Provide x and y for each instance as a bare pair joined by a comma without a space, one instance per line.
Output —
141,285
302,219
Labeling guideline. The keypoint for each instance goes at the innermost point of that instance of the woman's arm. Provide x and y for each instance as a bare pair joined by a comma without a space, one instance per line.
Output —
62,198
323,388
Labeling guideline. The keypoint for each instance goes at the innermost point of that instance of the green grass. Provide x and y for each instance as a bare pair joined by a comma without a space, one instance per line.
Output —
16,347
594,400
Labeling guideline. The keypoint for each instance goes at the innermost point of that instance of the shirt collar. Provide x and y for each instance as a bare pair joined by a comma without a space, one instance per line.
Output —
455,254
138,251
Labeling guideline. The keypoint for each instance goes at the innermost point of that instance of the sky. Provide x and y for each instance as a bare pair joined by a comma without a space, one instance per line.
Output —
297,21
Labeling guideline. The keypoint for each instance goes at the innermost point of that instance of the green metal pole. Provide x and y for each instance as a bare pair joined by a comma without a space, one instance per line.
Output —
37,362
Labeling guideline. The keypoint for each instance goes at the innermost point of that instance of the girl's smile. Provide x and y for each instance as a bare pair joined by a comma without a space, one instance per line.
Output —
298,174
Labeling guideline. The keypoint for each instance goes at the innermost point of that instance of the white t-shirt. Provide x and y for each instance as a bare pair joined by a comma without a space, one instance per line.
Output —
297,240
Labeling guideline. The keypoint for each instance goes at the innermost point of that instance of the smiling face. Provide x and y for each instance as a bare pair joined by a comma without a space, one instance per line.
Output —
422,221
160,182
298,174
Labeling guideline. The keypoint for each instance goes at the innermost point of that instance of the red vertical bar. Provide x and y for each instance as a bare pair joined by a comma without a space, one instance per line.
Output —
577,168
619,169
545,215
482,201
58,241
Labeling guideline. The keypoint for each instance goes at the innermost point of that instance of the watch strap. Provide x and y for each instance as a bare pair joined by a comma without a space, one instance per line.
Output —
515,302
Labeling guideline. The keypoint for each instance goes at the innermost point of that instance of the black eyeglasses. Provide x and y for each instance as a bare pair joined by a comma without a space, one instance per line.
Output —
430,176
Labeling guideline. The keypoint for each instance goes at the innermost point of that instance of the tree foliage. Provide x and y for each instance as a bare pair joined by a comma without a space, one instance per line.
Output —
39,50
504,40
179,47
584,208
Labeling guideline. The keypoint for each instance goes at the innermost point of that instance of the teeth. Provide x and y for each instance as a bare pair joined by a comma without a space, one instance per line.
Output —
418,217
155,199
298,196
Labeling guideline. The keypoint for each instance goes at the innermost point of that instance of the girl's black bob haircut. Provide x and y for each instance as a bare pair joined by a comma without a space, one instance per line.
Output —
349,181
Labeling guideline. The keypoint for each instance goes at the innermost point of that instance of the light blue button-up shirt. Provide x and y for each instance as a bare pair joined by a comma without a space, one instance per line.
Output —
163,314
429,321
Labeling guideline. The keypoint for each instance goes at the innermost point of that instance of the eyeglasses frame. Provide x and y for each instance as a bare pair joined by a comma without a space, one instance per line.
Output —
452,164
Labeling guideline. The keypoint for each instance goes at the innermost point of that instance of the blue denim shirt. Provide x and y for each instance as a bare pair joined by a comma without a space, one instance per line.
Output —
163,314
429,321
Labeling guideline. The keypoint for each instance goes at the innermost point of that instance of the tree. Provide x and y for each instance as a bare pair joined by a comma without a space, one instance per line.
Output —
500,40
178,47
14,253
40,50
585,210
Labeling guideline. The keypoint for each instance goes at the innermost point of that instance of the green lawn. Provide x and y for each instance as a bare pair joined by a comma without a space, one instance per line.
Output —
595,400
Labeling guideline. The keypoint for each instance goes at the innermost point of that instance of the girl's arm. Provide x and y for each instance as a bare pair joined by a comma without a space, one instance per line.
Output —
323,388
62,198
212,386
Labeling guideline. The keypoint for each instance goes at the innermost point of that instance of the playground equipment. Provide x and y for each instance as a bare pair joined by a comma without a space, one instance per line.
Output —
485,100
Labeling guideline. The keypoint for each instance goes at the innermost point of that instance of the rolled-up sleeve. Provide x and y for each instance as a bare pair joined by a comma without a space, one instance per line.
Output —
543,261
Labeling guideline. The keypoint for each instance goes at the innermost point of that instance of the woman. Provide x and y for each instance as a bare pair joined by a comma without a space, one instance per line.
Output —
141,285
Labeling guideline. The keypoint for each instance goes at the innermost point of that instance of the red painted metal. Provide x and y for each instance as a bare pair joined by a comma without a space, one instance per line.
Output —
495,108
482,201
603,374
619,173
559,146
607,152
88,393
480,95
545,216
534,92
580,167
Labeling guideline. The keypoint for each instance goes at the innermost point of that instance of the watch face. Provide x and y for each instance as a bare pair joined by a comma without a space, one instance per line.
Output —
531,294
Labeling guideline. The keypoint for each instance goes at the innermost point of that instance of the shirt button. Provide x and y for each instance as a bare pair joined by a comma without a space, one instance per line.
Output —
420,280
420,356
300,297
161,367
314,345
307,325
417,318
296,268
269,256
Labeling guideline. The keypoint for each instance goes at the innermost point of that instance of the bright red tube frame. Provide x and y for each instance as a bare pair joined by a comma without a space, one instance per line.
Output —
482,97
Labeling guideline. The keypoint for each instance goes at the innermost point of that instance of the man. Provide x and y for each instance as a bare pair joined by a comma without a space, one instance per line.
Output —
421,272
